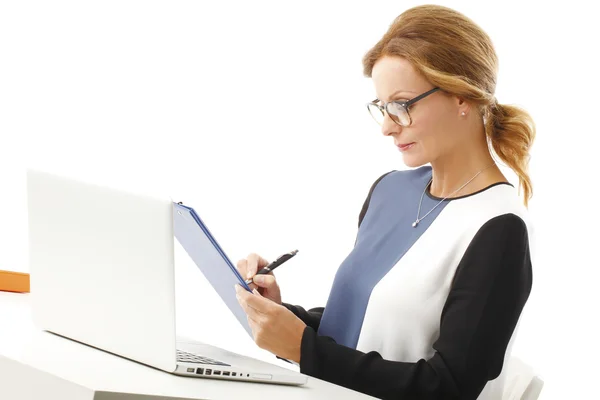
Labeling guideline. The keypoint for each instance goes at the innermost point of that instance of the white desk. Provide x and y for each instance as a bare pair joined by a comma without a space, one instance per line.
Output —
39,365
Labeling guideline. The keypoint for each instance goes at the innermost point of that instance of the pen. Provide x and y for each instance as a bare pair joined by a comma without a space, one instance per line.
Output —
274,264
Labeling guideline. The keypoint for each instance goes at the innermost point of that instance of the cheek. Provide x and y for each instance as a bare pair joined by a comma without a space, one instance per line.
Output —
434,137
433,144
436,128
426,129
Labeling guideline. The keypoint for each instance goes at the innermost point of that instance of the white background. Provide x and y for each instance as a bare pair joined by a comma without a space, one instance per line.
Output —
253,113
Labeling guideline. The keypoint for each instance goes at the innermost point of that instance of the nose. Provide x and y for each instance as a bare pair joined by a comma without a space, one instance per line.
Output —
389,127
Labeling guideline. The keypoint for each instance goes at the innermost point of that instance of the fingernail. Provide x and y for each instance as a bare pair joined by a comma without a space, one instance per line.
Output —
249,275
256,292
237,287
259,279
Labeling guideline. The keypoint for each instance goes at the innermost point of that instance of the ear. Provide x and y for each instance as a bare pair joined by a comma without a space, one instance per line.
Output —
462,107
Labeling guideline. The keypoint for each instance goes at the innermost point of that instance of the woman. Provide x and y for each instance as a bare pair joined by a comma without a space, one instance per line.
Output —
426,304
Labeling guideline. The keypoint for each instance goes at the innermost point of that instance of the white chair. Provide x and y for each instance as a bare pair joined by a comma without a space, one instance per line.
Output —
520,382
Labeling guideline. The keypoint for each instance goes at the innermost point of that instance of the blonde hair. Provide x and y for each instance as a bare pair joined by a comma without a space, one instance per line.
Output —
456,55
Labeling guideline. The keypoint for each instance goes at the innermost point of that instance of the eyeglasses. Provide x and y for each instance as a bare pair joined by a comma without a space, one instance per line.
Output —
397,110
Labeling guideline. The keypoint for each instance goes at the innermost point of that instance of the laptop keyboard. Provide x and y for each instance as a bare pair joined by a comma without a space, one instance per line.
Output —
183,356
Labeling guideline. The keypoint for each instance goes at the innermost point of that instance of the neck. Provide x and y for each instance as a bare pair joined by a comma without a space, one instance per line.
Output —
452,171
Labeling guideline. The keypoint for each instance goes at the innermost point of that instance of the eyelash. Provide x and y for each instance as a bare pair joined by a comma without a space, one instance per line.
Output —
400,100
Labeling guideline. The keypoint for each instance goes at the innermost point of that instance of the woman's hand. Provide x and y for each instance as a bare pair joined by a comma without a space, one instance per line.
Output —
274,327
266,284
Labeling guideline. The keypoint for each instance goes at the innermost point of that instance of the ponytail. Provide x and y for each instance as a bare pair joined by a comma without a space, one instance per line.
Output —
511,131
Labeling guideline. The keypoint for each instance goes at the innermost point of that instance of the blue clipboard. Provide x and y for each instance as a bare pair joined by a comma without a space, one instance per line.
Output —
210,258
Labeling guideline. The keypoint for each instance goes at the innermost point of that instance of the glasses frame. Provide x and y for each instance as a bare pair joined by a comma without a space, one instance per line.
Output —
404,104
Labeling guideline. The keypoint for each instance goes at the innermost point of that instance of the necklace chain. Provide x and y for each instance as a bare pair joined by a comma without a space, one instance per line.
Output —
440,202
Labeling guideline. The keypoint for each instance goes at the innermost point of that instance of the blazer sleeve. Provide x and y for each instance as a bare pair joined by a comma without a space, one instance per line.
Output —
490,288
311,318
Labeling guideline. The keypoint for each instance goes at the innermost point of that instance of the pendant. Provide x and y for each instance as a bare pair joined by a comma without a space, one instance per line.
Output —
415,223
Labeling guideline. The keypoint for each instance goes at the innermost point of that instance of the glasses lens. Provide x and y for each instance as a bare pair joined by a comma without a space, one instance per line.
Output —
376,113
398,114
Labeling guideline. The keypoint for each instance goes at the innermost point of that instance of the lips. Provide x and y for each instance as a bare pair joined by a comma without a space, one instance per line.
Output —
404,146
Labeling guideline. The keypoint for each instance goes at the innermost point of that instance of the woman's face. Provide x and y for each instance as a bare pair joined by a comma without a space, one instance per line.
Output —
435,118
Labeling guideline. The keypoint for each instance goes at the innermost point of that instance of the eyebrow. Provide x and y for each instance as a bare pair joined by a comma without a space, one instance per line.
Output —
401,91
396,93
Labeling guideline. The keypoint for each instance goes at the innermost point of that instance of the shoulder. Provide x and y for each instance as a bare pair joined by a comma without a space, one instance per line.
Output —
498,254
498,204
489,216
504,226
498,227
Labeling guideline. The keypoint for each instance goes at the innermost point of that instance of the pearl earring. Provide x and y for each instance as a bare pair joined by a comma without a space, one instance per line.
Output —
463,114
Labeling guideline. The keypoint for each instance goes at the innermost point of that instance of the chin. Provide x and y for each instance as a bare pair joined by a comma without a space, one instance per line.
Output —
414,162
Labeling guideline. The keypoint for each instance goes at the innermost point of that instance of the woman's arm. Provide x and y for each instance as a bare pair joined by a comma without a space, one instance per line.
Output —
490,288
311,317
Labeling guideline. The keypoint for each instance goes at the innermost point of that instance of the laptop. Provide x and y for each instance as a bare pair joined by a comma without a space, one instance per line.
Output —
102,274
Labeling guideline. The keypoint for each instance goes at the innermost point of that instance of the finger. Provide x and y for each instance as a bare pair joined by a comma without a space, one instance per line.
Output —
251,313
265,281
244,296
251,285
254,327
262,317
241,293
244,304
258,331
256,319
242,267
253,300
259,303
254,263
253,322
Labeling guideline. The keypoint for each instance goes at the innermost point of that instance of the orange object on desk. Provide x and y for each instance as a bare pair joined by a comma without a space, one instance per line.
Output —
14,281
